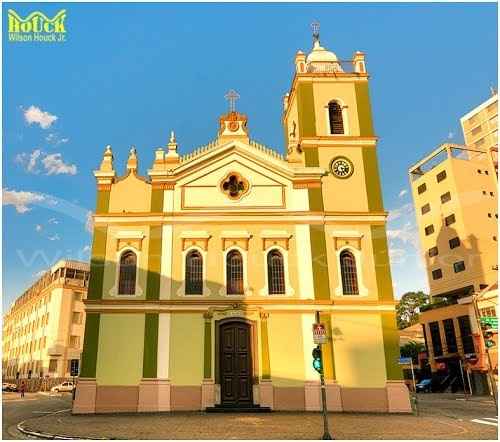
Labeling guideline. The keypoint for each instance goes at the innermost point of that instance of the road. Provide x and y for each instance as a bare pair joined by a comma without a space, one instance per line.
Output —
440,416
15,410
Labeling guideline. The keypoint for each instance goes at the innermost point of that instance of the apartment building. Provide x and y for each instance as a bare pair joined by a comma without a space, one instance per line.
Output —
455,196
43,329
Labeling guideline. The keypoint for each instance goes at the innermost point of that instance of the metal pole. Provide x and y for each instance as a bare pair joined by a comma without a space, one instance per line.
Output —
326,432
414,385
469,381
463,379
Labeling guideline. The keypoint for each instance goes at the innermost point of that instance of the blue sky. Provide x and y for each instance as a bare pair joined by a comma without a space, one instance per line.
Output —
130,73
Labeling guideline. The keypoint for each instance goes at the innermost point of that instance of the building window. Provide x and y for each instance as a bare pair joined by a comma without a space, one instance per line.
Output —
445,197
486,172
488,312
479,171
73,367
492,194
74,341
335,118
433,251
441,176
489,215
234,273
450,337
349,273
436,338
422,188
449,220
194,273
466,334
70,273
52,365
429,230
128,270
437,274
425,208
454,242
76,318
494,238
459,266
484,192
275,273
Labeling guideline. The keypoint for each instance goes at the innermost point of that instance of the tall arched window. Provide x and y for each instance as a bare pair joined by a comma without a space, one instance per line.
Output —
349,273
194,273
128,270
234,273
275,273
335,118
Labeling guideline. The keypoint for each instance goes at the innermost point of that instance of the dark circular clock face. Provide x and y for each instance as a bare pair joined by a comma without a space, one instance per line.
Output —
341,167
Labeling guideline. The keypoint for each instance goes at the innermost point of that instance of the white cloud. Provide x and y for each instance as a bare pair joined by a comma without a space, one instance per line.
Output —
397,256
407,234
38,228
55,139
20,199
54,165
89,223
403,193
52,221
86,249
37,116
55,237
29,161
404,210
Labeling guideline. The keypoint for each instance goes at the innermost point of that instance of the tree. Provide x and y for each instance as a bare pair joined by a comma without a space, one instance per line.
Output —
408,308
411,350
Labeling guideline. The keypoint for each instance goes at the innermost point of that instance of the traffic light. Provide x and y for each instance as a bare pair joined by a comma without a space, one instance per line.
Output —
488,336
317,362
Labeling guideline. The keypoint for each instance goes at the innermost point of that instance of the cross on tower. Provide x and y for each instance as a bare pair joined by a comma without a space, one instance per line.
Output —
315,29
232,96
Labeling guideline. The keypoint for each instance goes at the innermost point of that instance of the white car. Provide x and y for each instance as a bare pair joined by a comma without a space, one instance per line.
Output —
65,386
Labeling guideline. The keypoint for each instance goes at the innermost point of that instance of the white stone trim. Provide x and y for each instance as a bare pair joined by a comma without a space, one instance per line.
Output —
130,234
166,262
195,234
339,290
163,345
244,255
181,291
345,118
235,234
346,234
304,262
289,291
276,234
138,290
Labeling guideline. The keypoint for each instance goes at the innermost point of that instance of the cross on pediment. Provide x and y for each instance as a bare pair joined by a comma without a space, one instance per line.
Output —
232,96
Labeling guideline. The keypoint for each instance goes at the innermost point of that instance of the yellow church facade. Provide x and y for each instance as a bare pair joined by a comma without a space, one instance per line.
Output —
207,274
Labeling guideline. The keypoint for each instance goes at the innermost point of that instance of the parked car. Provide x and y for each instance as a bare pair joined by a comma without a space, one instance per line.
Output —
9,387
65,386
424,386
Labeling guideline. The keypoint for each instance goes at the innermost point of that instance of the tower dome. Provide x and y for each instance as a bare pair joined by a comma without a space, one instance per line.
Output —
321,55
321,59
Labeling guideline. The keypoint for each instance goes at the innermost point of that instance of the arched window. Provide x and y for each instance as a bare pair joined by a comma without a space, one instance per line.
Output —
234,273
335,118
194,273
128,270
349,273
275,273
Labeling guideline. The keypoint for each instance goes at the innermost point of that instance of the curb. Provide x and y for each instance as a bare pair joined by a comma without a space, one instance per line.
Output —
42,435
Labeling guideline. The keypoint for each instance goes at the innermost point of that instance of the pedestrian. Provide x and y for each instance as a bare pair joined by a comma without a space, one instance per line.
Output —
22,388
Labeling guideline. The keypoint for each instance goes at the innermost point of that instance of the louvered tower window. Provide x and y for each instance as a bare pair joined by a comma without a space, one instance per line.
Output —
349,273
335,117
128,270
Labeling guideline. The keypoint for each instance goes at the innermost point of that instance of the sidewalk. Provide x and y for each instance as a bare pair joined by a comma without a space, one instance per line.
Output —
277,425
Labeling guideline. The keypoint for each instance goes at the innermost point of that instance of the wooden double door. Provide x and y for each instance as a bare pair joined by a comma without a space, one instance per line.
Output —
235,364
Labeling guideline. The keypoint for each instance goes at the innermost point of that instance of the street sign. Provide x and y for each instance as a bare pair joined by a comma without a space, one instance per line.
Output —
319,333
489,320
404,361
